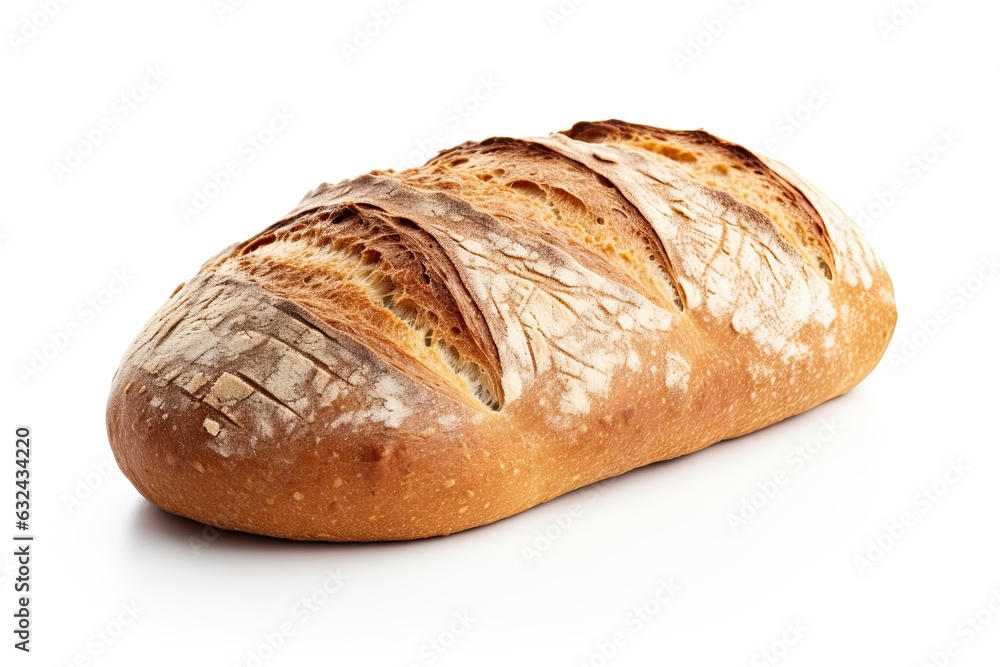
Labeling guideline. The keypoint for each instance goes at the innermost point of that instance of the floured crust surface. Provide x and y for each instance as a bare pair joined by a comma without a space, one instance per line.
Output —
416,353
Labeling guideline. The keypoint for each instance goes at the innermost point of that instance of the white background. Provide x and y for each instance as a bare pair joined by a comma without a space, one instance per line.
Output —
879,98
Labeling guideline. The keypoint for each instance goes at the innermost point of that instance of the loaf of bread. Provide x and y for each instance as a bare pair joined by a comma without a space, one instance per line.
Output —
415,353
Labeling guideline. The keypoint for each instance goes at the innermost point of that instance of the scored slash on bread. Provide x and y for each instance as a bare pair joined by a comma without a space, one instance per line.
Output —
416,353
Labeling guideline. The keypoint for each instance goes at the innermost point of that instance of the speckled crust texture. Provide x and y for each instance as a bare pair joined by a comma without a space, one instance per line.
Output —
413,354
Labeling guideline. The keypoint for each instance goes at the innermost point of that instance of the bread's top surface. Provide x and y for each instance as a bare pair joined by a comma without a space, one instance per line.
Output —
502,261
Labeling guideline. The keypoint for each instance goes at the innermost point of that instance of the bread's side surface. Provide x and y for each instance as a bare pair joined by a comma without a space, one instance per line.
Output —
412,354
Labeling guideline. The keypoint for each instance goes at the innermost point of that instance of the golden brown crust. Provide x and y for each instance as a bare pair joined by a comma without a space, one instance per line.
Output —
414,354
